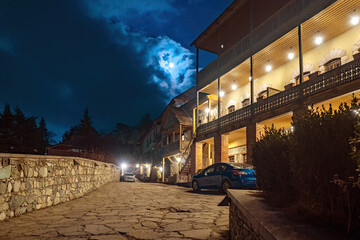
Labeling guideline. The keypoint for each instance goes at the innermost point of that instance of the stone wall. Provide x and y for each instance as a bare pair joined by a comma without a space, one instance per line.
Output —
250,218
239,227
30,182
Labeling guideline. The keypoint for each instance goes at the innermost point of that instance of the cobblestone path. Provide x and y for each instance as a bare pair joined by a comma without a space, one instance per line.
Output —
126,211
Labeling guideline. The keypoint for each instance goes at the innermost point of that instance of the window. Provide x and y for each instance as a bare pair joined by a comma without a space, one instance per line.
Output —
231,158
221,168
231,109
332,64
246,102
209,170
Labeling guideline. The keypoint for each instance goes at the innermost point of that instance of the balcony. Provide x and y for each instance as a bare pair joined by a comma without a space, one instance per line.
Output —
329,80
170,149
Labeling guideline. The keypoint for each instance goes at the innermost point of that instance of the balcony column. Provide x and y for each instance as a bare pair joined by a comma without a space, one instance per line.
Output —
219,99
250,139
196,156
209,107
301,65
197,92
221,147
163,170
180,138
251,81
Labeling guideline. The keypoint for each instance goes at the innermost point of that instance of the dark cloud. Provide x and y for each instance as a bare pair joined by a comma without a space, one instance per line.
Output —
120,61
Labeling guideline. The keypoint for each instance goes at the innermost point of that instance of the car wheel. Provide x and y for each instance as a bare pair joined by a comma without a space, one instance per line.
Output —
195,186
225,186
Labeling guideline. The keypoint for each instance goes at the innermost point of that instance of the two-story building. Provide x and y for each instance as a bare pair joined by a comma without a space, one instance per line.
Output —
274,60
167,144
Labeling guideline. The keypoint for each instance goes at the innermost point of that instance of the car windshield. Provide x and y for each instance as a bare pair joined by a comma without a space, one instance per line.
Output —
241,166
129,174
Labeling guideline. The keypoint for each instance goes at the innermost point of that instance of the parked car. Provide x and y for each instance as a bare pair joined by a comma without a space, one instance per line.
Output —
129,177
223,176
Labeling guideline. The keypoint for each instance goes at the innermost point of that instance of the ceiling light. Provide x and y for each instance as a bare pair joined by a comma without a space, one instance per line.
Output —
318,39
291,54
222,46
250,78
354,19
222,93
268,67
207,110
233,87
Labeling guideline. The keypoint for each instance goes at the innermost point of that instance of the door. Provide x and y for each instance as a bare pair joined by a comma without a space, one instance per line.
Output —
208,173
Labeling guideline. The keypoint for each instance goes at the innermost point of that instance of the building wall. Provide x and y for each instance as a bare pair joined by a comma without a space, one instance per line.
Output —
33,182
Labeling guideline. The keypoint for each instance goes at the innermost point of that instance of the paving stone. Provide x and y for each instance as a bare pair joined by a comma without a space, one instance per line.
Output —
98,229
121,211
197,234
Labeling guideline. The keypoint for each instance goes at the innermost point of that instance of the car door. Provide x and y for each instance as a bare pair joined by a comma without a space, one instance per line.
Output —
208,172
217,177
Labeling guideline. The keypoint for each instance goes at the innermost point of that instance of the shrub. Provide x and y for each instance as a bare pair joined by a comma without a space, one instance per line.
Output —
271,155
299,167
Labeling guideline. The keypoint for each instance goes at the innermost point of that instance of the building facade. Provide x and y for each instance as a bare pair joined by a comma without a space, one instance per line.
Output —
274,60
165,147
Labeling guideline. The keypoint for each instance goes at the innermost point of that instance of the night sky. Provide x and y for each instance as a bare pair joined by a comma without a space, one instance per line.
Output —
119,58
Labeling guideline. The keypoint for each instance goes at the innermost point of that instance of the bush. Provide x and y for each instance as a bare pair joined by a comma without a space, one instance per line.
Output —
299,167
271,155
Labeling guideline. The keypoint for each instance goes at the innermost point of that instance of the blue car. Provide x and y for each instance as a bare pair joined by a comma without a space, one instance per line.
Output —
224,176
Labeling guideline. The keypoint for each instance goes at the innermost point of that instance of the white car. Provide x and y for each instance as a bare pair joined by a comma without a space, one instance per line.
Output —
129,177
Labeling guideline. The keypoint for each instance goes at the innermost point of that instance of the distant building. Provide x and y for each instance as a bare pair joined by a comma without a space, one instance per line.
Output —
167,144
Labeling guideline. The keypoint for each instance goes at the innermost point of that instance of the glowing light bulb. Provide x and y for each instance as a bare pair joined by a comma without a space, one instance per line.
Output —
160,169
222,93
354,20
291,55
233,87
318,39
268,68
171,65
250,78
207,110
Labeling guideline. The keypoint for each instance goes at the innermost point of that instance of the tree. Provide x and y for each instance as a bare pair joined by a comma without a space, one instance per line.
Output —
85,128
6,129
44,136
26,133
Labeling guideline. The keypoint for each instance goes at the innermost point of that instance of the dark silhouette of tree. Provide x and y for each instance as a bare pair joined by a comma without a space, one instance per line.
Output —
44,136
145,123
26,133
6,129
84,128
122,132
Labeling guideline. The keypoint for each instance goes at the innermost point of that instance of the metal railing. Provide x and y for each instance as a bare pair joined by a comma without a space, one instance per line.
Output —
336,77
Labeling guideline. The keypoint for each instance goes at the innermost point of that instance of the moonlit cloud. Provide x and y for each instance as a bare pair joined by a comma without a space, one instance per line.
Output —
170,64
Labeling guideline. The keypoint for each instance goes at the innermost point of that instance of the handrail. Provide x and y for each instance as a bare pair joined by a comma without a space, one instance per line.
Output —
338,76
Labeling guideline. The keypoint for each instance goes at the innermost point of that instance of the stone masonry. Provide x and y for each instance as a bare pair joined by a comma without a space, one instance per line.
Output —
33,182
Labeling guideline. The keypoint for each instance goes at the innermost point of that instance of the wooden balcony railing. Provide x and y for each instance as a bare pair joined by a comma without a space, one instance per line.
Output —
170,149
336,77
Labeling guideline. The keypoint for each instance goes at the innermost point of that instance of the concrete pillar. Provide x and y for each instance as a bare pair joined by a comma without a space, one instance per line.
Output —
221,147
196,157
250,139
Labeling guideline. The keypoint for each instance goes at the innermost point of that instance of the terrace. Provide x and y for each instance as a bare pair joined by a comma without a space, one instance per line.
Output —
320,54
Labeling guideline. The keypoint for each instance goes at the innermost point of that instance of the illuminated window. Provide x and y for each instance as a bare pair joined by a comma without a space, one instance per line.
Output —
231,109
332,64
